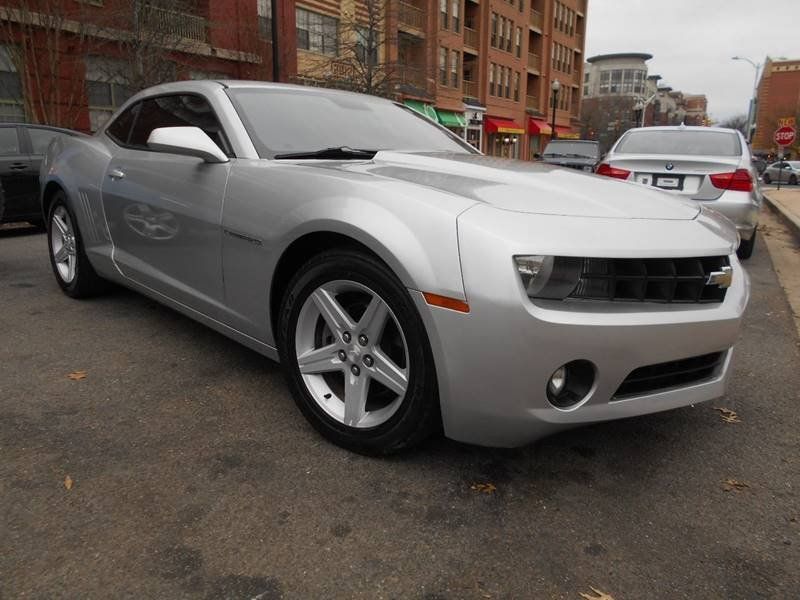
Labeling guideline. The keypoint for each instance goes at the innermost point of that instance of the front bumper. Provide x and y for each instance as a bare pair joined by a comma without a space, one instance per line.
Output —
493,364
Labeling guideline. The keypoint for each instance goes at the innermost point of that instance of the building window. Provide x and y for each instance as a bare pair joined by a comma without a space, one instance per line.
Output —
516,86
443,14
494,30
508,35
11,106
106,89
518,42
264,8
365,46
317,32
491,79
455,15
455,57
443,66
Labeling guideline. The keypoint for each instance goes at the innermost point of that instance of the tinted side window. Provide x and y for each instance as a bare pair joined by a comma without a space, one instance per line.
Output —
9,143
41,138
120,129
177,111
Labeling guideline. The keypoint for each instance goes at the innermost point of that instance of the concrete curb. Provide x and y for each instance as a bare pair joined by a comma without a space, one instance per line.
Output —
789,220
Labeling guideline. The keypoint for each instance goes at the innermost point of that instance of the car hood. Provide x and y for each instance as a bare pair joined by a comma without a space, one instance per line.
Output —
524,187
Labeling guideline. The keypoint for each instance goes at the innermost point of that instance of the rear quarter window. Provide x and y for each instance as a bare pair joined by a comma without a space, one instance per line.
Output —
687,142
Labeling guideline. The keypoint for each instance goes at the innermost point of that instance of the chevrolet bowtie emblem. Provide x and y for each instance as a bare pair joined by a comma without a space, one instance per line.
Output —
722,278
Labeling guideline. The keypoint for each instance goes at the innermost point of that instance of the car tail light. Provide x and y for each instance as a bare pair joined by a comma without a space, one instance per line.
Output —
738,181
609,171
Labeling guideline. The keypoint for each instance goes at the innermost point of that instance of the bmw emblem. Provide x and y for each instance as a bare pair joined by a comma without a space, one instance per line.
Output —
670,166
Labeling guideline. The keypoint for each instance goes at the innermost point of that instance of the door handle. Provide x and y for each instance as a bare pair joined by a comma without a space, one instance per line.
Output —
116,174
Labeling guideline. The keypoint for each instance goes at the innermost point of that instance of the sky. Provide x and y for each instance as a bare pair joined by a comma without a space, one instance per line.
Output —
692,42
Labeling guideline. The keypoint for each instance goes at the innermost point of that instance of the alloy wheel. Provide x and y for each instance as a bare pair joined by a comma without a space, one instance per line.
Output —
352,354
63,244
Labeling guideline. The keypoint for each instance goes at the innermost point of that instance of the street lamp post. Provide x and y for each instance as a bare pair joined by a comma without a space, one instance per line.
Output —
556,86
751,113
638,112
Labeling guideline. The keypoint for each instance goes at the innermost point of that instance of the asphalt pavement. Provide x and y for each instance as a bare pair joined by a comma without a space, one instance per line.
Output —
192,475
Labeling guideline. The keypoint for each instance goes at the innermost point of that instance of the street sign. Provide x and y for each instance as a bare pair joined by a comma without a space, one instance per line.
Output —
785,136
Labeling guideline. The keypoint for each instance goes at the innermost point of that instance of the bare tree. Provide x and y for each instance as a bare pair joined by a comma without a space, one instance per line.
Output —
361,60
736,122
39,38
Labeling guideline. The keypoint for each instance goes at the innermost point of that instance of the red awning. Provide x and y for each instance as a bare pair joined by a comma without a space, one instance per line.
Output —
538,127
495,125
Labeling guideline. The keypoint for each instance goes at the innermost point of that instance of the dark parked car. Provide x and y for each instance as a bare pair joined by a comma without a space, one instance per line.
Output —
21,150
583,155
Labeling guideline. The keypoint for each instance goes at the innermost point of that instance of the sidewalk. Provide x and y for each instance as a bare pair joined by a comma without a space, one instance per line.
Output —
786,203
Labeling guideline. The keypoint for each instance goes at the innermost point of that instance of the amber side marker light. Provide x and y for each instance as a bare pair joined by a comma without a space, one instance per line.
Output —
445,302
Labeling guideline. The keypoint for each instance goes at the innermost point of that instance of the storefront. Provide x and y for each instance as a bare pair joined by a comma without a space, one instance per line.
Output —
539,133
454,121
504,137
423,108
474,118
566,133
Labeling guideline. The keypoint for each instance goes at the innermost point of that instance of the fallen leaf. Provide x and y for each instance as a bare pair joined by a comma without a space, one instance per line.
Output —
68,482
730,485
600,595
77,375
486,488
728,415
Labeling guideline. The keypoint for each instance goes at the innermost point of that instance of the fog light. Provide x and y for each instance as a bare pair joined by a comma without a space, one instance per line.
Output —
557,381
570,384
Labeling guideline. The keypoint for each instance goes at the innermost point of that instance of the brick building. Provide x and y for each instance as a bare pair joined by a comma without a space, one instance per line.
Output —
778,97
72,63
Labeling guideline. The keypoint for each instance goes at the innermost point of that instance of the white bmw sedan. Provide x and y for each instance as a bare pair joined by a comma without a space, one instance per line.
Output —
406,282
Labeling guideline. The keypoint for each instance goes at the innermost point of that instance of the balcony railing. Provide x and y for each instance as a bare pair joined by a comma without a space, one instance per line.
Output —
173,22
532,102
534,61
411,76
470,38
411,16
537,19
470,88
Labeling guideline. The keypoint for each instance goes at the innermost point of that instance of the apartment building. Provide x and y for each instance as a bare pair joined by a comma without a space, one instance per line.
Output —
71,63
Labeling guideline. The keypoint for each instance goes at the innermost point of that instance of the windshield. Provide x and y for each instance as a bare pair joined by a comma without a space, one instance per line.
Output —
571,149
285,121
688,142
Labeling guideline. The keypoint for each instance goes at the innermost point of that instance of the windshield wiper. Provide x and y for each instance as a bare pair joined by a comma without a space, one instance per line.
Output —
335,153
567,155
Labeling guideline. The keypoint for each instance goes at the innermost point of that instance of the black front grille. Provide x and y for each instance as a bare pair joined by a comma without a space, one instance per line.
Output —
650,279
671,374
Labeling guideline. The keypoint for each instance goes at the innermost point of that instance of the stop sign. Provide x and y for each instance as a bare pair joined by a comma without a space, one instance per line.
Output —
785,136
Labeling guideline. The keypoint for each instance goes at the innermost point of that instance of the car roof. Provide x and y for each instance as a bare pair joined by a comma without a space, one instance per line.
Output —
684,128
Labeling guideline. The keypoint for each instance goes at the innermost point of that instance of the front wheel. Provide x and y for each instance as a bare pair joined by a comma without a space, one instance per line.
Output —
71,266
356,354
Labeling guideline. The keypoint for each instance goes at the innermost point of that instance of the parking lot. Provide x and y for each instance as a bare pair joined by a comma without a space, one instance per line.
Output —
192,475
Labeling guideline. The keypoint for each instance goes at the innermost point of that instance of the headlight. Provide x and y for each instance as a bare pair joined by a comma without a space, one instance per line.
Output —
552,277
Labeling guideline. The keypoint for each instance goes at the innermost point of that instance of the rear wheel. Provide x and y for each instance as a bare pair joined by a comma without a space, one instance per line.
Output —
793,180
767,178
356,354
71,266
746,247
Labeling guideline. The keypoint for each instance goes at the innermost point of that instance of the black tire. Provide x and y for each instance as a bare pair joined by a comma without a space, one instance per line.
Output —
767,179
793,180
418,415
86,282
746,247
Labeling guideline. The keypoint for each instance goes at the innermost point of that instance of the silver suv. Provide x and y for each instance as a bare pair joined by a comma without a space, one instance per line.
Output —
710,165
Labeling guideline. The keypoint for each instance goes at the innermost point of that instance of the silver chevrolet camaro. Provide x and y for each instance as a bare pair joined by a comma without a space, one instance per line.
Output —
406,282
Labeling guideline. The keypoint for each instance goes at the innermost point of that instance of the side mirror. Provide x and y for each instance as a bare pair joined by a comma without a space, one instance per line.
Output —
186,141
